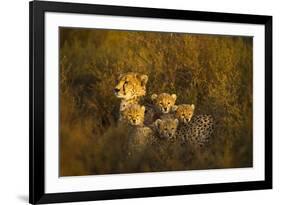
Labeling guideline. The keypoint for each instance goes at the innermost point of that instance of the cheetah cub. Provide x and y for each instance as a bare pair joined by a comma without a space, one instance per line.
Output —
183,112
166,128
139,135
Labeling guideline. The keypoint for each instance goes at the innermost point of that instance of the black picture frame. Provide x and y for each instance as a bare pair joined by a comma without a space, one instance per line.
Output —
37,194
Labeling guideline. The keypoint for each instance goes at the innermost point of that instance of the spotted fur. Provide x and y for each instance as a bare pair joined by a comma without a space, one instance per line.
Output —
198,131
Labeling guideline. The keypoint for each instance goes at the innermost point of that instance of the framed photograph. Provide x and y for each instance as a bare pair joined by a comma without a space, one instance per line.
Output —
141,102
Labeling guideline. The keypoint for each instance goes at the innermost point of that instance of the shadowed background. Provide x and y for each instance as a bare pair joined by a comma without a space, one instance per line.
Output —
213,72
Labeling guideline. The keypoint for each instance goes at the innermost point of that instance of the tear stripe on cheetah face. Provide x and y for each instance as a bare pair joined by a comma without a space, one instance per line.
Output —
166,128
164,102
183,112
131,86
198,131
133,115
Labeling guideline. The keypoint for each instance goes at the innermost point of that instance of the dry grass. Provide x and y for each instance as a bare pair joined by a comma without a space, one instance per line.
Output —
213,72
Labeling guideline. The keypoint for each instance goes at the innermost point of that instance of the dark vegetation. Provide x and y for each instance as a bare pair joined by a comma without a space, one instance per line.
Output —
213,72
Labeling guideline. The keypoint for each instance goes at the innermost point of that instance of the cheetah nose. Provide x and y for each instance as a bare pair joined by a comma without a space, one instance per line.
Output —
165,109
134,121
116,90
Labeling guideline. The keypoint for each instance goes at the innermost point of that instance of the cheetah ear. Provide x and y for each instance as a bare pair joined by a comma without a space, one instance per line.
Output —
144,79
193,106
157,123
153,96
174,108
176,121
174,96
143,108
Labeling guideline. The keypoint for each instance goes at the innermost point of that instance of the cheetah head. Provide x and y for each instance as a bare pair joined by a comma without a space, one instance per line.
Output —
133,114
166,128
131,85
164,101
183,112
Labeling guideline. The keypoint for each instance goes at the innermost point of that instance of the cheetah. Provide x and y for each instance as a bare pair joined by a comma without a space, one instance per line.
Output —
198,131
183,112
139,134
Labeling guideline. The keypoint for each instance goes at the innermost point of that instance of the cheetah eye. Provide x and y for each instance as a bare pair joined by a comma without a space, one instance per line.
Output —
126,82
166,129
173,128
